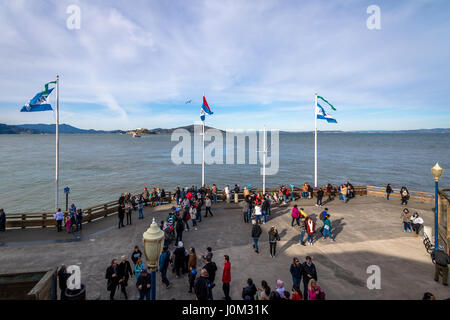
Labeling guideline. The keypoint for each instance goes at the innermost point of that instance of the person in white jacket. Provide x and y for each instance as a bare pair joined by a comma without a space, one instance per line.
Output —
258,213
417,223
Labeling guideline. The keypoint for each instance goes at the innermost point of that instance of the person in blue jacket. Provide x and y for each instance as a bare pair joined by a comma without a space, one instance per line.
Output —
164,260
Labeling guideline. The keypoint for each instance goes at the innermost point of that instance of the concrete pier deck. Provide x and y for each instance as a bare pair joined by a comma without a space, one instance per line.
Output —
368,232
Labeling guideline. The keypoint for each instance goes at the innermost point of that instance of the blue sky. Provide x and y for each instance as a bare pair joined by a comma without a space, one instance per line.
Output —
135,63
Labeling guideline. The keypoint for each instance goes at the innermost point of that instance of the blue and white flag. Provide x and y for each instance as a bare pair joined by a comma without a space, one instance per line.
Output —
321,114
40,102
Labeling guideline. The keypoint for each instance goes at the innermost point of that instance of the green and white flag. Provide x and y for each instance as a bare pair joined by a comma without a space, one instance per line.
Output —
327,102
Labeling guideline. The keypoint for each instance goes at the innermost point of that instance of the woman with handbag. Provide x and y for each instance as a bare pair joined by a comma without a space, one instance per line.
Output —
314,291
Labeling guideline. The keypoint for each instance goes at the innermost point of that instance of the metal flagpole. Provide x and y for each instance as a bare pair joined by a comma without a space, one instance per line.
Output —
57,143
203,151
264,161
315,140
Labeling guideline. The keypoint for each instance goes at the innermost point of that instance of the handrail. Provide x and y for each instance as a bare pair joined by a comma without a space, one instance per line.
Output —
46,219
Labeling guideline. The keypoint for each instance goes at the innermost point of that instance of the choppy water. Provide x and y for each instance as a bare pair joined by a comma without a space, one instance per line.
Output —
99,167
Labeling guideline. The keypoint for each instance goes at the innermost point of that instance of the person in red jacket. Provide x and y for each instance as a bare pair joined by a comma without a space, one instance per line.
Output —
296,293
310,229
226,277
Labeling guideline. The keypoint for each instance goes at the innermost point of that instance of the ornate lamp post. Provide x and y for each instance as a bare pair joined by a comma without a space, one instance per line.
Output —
153,244
436,171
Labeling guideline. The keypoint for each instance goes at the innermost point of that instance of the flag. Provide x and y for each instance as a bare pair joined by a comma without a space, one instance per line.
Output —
205,109
321,114
321,98
41,101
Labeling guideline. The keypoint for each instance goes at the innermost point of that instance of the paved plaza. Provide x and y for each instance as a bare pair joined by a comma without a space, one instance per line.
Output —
368,232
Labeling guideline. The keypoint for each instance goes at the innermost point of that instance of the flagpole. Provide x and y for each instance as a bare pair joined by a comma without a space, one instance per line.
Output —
264,161
203,152
315,140
57,143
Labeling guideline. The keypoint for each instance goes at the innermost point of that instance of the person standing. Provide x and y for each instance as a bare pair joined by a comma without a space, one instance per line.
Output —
128,209
441,261
295,215
164,260
112,275
138,268
319,197
310,230
296,272
249,291
273,238
193,214
2,220
314,291
388,191
245,211
124,272
256,233
59,217
80,215
143,285
302,230
63,276
202,286
258,213
214,193
121,214
309,272
327,228
208,204
179,228
329,191
406,218
226,277
265,208
404,193
344,191
141,207
211,268
179,256
136,255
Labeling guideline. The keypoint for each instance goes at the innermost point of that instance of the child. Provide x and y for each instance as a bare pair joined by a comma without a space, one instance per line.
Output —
192,276
68,221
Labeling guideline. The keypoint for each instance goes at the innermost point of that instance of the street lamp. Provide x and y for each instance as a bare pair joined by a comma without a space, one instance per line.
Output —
153,244
436,171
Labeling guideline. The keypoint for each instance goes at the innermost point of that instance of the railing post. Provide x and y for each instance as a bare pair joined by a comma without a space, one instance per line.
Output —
89,215
105,208
24,217
44,219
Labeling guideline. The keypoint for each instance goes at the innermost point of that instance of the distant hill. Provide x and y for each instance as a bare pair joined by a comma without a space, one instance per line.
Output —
6,129
68,129
63,128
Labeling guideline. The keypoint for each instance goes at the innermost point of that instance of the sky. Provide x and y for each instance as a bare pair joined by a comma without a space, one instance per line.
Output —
134,64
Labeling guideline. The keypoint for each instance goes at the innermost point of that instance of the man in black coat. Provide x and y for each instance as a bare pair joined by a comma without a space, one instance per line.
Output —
121,214
309,272
179,257
202,286
143,284
63,276
124,272
179,228
211,268
112,275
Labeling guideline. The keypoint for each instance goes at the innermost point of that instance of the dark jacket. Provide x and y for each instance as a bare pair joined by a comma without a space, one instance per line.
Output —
296,271
256,231
124,271
144,281
135,255
265,205
309,272
63,275
112,281
211,268
439,257
121,212
201,288
248,292
164,260
273,236
320,194
179,226
179,255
